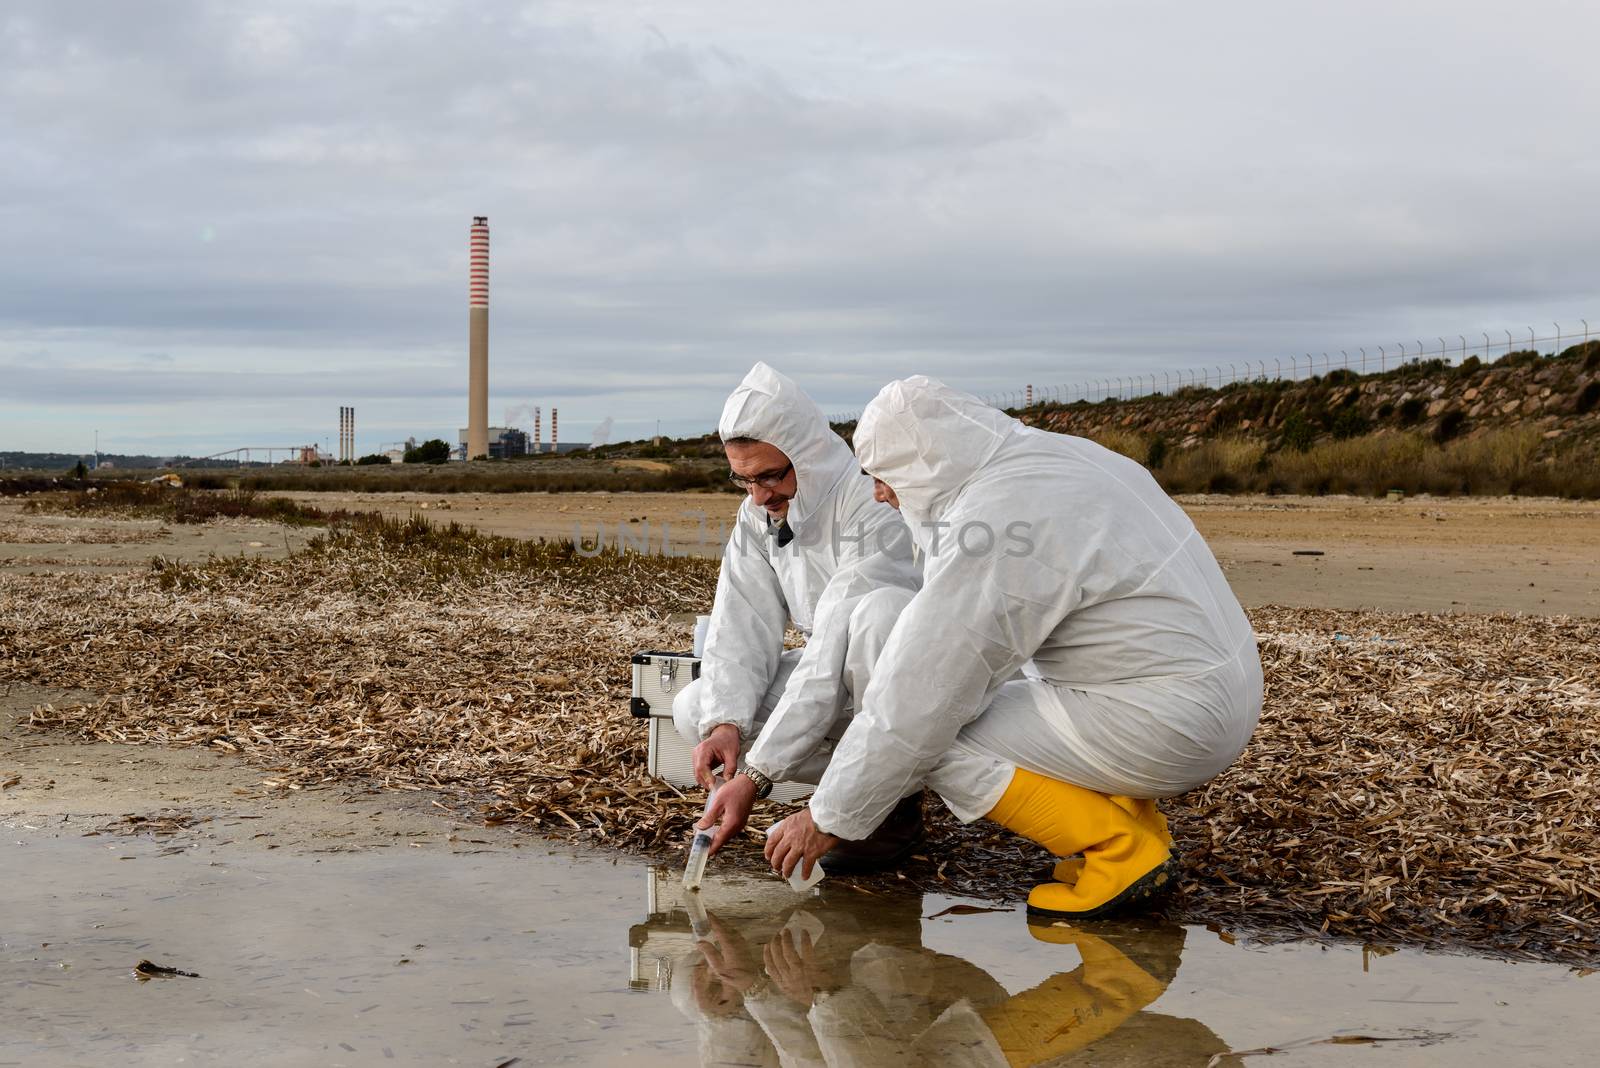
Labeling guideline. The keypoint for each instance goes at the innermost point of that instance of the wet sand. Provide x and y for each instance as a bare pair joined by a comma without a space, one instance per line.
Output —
339,928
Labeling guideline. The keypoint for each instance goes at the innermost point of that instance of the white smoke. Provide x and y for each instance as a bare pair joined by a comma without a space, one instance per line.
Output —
602,433
521,416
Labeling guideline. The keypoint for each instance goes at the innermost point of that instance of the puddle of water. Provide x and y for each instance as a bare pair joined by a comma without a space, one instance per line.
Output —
425,957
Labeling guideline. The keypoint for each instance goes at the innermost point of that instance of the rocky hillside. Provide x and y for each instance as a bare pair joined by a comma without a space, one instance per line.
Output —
1559,396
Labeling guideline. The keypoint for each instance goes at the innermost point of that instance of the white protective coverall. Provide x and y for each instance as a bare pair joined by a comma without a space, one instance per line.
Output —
1048,551
843,580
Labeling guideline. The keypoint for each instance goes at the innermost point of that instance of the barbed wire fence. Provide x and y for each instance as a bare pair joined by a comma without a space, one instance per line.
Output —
1374,359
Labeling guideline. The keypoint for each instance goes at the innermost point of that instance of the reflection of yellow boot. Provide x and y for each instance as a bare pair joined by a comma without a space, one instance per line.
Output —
1068,1012
1125,861
1141,809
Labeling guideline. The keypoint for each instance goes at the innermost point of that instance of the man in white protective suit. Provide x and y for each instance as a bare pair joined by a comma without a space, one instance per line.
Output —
813,547
1074,652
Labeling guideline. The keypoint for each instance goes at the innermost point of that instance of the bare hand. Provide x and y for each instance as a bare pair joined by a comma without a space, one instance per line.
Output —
720,749
798,842
795,967
732,807
728,955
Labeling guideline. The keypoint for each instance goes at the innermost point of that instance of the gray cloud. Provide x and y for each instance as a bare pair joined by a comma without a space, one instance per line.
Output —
275,198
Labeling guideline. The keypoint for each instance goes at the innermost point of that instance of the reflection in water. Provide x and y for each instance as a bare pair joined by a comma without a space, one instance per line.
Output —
837,978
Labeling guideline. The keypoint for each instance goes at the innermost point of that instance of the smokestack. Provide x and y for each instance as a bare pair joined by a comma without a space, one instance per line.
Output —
478,341
538,442
347,434
1030,395
555,437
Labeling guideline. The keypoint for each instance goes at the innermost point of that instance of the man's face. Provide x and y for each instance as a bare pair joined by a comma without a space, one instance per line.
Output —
761,460
883,494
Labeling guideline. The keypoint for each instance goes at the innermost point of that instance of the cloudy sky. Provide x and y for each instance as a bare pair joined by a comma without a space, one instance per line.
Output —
219,222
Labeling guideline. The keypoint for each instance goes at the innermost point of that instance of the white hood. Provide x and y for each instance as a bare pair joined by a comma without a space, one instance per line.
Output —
769,407
926,441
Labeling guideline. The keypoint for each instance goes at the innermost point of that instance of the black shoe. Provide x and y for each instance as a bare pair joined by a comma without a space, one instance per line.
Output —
897,837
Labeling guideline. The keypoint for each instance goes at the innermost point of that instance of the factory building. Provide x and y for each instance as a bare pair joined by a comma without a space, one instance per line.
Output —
502,442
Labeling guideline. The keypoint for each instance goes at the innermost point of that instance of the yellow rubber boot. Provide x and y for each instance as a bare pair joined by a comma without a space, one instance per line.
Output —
1141,809
1125,862
1070,1011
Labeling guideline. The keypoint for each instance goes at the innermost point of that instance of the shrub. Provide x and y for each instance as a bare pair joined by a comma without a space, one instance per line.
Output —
1411,410
432,451
1519,358
1469,365
374,458
1157,454
1588,398
1449,425
1385,410
1350,423
1298,433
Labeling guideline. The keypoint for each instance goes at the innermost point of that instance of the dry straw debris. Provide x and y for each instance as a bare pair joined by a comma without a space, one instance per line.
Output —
21,533
1419,779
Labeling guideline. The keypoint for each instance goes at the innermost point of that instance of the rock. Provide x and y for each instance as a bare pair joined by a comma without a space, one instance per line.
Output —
1436,407
1475,411
1509,406
1548,434
1470,395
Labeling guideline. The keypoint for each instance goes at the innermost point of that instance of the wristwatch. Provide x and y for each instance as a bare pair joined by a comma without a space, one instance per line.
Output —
763,784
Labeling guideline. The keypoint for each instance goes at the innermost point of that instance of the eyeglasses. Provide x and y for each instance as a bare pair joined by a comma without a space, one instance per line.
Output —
766,480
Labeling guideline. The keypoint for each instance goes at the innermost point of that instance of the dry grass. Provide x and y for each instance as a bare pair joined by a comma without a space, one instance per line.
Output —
1498,461
1418,779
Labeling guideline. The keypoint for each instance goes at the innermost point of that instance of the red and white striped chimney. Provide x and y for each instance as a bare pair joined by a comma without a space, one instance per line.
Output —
478,341
555,437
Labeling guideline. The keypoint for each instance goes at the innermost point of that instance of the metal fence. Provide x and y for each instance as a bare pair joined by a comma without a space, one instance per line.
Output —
1374,359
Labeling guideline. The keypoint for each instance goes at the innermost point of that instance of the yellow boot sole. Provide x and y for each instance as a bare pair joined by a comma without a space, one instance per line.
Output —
1058,901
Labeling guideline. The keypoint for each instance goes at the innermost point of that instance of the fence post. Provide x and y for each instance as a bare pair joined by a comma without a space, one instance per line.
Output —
1533,342
1558,339
1463,338
1383,358
1363,362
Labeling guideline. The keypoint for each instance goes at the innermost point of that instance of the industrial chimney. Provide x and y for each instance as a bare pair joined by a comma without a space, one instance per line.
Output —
538,442
478,341
555,437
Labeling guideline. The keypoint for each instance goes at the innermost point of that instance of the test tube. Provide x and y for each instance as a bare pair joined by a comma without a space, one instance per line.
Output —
700,847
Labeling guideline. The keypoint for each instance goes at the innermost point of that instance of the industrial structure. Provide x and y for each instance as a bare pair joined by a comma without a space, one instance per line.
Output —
347,435
500,442
477,436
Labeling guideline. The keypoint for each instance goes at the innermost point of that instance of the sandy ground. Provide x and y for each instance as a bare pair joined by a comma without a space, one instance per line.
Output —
27,544
185,797
1535,556
200,859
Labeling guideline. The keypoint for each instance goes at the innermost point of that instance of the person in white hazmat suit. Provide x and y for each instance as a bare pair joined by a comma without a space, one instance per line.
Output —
1074,652
810,545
